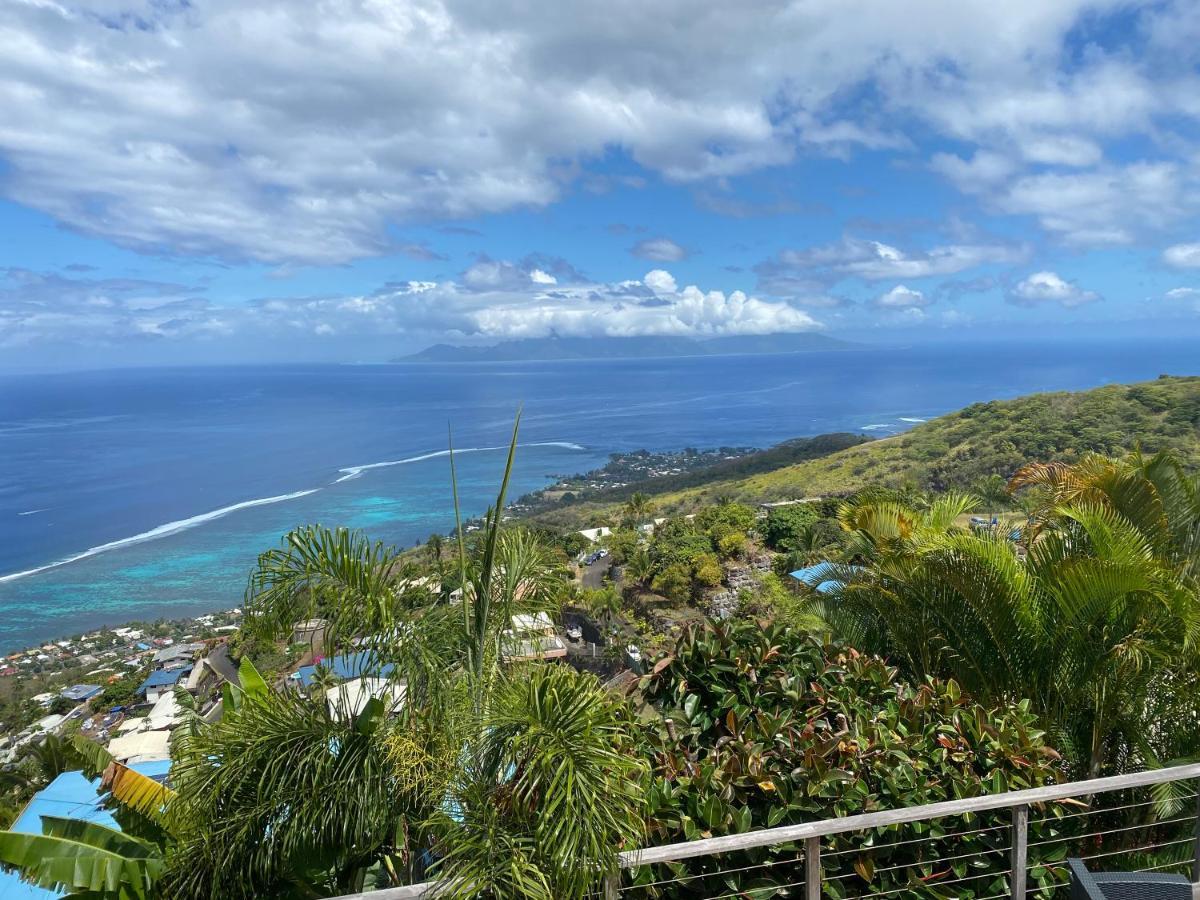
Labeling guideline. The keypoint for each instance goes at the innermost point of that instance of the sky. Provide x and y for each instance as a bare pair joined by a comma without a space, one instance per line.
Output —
223,181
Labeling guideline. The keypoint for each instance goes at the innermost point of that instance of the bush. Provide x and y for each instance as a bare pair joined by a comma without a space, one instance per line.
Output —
769,726
785,525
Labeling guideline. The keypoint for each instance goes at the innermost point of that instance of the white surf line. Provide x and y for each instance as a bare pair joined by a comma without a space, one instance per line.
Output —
159,532
350,472
34,512
911,419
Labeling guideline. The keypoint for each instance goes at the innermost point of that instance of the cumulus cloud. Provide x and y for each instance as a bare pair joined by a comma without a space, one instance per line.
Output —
1183,256
901,297
500,301
1047,287
659,249
299,132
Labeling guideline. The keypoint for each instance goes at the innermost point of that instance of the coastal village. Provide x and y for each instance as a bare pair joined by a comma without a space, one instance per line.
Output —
128,688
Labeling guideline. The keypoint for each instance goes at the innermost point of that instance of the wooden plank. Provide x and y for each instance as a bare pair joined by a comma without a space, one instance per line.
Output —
812,869
1020,852
790,834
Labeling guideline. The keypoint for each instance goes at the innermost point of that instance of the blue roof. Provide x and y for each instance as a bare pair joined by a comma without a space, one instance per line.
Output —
162,678
69,796
822,577
82,691
348,665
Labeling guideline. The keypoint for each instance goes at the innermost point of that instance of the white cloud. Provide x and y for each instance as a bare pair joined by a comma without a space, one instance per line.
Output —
901,297
877,261
660,281
1183,293
299,132
1183,256
659,250
39,309
1047,287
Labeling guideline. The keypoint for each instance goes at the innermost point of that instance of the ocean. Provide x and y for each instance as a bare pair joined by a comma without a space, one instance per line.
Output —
135,494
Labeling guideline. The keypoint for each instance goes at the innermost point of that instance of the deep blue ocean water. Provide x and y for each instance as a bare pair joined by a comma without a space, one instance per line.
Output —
161,486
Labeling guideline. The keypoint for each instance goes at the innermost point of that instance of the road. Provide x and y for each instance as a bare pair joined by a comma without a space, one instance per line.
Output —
593,575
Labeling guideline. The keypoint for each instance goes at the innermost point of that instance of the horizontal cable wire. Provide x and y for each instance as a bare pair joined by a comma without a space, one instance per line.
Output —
1095,834
1102,809
944,859
919,840
681,878
1187,840
908,887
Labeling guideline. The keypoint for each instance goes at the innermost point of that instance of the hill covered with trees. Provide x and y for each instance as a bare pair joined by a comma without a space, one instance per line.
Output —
957,450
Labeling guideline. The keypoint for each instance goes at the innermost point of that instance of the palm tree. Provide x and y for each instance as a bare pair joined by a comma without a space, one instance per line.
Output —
639,567
323,680
638,509
435,547
1097,625
50,758
993,491
355,799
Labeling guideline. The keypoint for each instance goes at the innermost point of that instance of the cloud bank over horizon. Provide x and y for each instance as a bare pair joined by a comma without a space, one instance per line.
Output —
491,302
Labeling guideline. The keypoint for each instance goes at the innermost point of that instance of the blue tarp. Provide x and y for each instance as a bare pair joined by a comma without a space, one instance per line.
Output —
347,666
69,796
821,577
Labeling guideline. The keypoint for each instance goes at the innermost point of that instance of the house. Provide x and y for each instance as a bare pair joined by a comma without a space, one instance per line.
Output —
69,796
49,724
594,534
532,636
44,699
80,692
140,746
349,697
310,632
176,656
160,682
345,667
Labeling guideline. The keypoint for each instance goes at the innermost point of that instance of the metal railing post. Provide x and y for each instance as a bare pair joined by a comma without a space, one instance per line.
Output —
1020,851
1196,843
812,868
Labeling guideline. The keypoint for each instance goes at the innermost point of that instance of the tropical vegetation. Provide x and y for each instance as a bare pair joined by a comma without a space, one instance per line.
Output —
944,656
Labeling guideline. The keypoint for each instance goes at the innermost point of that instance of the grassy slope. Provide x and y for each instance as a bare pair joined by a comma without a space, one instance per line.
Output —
957,449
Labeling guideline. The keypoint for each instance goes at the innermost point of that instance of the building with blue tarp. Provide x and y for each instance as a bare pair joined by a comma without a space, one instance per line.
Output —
69,796
347,666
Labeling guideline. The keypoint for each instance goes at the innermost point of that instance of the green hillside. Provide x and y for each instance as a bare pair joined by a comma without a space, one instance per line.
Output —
957,449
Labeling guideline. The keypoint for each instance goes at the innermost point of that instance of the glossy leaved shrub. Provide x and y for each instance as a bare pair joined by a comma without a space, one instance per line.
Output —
760,726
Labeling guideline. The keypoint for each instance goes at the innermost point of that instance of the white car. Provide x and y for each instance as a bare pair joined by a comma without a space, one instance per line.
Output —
634,654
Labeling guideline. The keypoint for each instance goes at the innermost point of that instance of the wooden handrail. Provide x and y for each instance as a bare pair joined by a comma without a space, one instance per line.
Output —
788,834
814,831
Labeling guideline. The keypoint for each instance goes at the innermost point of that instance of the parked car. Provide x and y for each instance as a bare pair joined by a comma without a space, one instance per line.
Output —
574,633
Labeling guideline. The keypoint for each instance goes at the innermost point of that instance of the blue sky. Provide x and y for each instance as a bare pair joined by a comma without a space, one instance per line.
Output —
264,180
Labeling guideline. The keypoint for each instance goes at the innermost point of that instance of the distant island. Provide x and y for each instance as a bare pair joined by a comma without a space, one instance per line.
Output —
552,348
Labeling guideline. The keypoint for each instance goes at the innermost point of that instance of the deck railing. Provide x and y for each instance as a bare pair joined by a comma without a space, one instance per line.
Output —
1136,839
